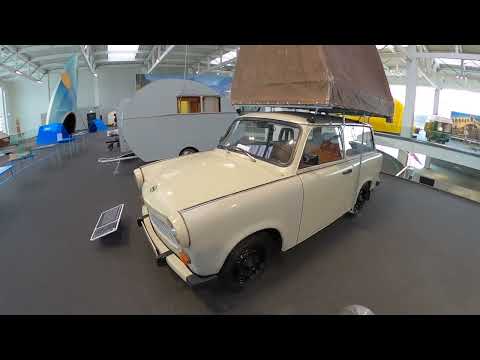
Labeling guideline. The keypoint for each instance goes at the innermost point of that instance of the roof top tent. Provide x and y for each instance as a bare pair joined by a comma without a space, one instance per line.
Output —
342,79
170,117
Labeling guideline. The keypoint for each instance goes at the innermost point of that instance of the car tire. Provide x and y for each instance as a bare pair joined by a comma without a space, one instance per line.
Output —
362,198
247,261
188,151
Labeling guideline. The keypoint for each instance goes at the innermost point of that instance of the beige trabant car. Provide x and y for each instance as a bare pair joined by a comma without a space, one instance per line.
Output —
274,180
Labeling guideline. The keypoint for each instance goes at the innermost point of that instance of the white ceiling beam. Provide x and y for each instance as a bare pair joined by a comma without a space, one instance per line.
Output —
219,66
35,48
89,56
415,56
53,56
449,55
32,68
157,54
12,70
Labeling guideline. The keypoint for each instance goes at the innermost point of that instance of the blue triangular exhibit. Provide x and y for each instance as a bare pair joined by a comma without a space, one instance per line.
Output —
51,134
63,103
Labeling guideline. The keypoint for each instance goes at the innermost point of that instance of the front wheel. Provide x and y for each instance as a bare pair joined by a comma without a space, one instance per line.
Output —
246,262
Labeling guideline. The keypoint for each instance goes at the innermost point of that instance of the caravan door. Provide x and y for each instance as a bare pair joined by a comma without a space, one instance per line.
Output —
327,180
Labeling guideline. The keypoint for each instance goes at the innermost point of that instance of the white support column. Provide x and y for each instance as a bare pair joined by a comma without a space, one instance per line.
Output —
96,97
436,101
411,89
403,157
428,162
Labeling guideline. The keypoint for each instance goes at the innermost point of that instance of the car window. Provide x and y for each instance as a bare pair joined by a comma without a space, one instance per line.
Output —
267,140
356,141
324,145
368,140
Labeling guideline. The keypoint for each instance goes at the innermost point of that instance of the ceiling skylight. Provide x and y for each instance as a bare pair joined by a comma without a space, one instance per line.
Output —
122,52
227,56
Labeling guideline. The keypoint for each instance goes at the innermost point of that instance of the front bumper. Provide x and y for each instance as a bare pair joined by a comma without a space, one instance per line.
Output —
164,255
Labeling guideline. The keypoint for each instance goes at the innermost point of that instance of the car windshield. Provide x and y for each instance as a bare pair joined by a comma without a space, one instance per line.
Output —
268,140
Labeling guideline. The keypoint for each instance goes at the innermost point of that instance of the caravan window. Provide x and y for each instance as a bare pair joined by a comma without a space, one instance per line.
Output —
211,104
188,104
196,104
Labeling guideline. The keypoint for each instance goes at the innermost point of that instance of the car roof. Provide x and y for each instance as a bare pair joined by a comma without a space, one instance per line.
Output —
304,118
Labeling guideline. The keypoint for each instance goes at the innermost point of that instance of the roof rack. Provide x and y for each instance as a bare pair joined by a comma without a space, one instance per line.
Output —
319,109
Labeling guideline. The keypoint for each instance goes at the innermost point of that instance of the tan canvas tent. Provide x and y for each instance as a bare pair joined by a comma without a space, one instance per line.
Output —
343,78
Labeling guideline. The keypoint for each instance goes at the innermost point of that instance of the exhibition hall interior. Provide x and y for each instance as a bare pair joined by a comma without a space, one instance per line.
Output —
239,179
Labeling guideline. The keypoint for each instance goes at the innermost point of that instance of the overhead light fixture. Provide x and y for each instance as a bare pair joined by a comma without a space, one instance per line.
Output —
18,72
95,74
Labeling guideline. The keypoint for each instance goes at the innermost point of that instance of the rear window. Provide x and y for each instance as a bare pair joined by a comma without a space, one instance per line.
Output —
358,140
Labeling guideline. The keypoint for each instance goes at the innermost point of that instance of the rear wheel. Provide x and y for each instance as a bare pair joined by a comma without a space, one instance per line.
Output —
247,261
362,198
188,151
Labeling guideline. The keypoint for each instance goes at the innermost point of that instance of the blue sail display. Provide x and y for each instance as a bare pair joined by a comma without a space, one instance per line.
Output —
63,105
61,119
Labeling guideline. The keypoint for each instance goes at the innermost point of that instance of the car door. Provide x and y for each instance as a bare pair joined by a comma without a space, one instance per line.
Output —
360,152
326,178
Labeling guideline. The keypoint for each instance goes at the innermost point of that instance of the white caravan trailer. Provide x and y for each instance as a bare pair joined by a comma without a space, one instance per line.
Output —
172,117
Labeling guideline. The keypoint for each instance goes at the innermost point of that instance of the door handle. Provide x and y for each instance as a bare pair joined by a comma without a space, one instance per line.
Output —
349,171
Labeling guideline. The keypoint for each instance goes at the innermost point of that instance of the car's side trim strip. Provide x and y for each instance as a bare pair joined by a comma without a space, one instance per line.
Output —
235,193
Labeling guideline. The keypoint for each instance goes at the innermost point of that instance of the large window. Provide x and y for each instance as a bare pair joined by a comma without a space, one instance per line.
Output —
196,104
3,113
323,145
188,104
268,140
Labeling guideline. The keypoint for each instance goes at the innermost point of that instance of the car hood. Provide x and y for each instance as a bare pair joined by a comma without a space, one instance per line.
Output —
190,180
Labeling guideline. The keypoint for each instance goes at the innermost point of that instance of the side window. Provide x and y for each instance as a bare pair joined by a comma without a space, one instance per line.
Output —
368,140
356,141
353,140
324,145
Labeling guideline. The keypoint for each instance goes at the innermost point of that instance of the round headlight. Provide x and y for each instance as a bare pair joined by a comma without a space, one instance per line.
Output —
138,178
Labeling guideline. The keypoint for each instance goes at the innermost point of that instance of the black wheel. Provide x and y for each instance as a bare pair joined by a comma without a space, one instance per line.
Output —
188,151
363,197
247,261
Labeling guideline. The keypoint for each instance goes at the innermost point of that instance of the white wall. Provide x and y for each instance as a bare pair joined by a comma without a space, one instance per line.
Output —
27,100
114,85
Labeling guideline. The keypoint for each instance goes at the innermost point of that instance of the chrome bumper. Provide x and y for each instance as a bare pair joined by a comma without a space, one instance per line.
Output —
164,255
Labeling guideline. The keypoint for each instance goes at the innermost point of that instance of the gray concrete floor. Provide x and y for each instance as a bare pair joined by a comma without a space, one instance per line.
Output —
413,250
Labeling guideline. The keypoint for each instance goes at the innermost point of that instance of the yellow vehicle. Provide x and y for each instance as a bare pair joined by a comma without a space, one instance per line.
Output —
381,124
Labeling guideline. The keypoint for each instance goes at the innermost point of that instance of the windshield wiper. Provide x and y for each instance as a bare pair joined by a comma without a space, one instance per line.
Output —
243,151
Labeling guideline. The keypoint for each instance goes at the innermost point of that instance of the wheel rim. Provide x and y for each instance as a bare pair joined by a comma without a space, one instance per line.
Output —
187,152
249,265
360,201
